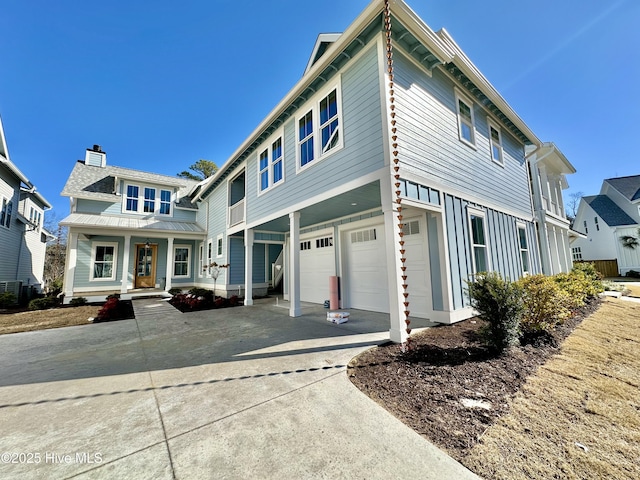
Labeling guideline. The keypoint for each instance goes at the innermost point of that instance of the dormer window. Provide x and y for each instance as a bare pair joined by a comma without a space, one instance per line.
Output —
35,217
140,199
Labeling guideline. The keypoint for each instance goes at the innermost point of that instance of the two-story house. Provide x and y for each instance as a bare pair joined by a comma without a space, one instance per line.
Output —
23,239
392,172
606,220
128,230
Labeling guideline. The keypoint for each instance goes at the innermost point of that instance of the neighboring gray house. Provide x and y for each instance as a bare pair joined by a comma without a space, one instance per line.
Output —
404,187
605,219
23,240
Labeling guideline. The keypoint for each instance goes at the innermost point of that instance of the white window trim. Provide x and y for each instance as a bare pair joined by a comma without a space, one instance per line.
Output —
460,96
201,259
490,125
94,246
522,226
35,216
220,243
478,213
209,257
141,200
189,259
318,155
268,146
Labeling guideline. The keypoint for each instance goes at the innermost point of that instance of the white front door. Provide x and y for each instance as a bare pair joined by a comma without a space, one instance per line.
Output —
418,268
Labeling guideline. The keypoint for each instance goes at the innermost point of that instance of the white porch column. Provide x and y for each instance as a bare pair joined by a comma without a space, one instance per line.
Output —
125,264
248,267
70,271
294,264
170,259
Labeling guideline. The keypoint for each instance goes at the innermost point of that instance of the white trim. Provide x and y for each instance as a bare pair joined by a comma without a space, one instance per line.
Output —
522,226
461,97
313,106
267,146
209,256
492,125
188,261
201,252
472,211
141,199
220,246
114,268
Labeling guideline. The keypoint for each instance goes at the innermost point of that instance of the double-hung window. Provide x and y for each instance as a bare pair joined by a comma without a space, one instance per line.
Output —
466,121
270,168
103,261
149,200
201,260
35,216
478,242
595,220
165,202
5,215
495,142
181,254
133,191
524,248
319,129
141,199
209,257
219,246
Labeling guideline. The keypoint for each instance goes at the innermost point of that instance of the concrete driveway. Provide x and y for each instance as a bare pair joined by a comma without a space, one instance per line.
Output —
236,393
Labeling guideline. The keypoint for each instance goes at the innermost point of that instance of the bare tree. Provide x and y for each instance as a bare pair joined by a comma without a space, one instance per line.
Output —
572,205
55,254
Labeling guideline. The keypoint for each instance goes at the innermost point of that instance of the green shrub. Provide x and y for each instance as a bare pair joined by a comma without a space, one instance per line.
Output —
43,303
78,301
7,299
498,302
579,284
175,291
545,304
113,295
632,274
54,287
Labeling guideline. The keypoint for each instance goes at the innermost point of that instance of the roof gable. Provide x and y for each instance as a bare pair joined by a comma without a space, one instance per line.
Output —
611,213
629,187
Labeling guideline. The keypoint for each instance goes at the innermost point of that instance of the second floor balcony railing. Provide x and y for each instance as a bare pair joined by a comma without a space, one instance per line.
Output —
236,213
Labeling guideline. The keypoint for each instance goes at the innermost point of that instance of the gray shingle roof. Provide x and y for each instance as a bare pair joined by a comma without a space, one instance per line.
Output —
611,213
98,183
627,186
129,223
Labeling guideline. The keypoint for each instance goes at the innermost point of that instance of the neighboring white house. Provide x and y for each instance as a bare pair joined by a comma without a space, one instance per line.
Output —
605,219
22,236
404,179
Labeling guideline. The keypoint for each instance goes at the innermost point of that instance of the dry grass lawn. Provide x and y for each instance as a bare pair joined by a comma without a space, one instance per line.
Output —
635,290
579,416
43,319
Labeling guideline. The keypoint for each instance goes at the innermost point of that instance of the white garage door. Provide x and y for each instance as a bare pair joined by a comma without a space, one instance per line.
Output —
418,273
317,264
366,269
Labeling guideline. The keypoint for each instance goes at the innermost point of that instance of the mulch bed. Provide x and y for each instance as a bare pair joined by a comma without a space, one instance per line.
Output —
449,365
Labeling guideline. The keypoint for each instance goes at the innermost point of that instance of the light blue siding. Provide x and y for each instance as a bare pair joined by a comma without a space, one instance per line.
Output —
83,265
98,207
502,243
216,224
362,152
181,215
429,145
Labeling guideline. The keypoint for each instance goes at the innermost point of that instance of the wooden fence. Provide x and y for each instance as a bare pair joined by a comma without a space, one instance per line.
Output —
608,268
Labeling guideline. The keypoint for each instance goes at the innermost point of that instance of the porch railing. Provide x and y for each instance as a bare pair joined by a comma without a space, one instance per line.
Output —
236,213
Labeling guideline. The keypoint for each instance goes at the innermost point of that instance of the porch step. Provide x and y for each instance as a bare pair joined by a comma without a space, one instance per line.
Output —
153,308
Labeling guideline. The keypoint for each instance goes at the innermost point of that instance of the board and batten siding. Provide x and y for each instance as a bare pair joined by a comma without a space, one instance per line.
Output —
362,152
236,268
430,147
502,244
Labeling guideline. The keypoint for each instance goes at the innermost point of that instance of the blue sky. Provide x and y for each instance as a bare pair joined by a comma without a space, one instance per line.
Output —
162,84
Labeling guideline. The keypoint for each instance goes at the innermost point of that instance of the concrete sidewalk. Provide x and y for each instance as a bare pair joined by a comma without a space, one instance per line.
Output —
236,393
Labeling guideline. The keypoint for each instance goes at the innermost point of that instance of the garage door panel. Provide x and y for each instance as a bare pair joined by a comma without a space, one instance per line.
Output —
317,264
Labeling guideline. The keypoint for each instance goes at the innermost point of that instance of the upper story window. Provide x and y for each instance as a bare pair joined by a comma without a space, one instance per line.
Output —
219,245
466,120
149,200
141,199
5,215
35,216
319,128
586,230
270,167
479,243
595,220
495,141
